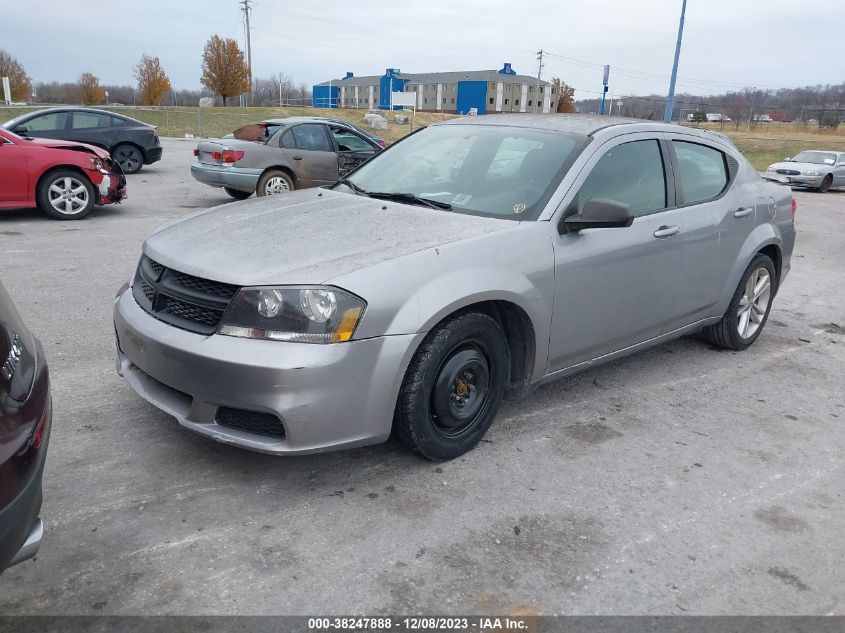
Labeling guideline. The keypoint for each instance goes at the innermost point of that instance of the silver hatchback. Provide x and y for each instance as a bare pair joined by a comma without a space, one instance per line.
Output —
470,261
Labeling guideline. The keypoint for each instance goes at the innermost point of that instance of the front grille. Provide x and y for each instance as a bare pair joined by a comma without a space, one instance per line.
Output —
265,424
789,172
180,299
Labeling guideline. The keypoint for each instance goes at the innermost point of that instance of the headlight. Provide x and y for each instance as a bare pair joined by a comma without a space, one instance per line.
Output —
771,168
810,172
99,166
315,314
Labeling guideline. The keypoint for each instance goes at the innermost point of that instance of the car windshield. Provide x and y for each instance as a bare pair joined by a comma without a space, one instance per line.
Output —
490,170
817,158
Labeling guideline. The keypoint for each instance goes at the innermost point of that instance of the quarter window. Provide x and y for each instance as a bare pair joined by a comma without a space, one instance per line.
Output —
311,136
631,173
703,173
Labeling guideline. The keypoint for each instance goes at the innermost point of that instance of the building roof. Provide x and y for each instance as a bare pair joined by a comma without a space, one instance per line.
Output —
452,77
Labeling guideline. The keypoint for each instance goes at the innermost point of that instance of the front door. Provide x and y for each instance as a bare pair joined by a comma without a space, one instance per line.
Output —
314,160
14,172
617,287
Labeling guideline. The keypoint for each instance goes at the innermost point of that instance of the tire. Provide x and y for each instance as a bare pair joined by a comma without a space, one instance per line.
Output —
738,333
273,182
823,188
453,388
128,157
237,194
66,195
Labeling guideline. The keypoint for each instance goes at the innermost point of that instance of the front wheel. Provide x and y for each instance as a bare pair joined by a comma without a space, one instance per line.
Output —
273,182
453,387
828,180
237,194
749,308
66,195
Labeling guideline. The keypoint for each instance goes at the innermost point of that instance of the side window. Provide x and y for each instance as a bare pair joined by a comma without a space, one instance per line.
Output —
631,173
703,172
47,122
116,121
349,142
89,120
311,136
286,141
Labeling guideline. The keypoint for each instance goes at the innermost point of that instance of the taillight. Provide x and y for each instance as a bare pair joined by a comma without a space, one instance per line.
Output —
196,152
41,428
794,207
232,155
382,143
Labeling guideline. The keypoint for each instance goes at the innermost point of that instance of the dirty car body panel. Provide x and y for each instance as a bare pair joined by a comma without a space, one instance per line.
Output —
585,296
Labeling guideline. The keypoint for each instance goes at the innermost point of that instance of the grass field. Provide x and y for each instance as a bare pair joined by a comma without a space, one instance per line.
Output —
763,145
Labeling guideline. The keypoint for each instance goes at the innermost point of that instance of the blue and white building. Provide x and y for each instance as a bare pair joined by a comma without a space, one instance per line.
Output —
487,91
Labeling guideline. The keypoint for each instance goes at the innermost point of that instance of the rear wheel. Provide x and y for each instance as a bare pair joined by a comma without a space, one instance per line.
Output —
237,194
453,387
128,157
272,182
749,308
66,195
825,184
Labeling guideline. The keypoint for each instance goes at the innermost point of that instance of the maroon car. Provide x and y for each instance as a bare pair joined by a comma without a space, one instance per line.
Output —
25,415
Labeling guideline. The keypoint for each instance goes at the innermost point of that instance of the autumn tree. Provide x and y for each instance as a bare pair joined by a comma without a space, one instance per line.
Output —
19,82
566,96
153,82
224,71
90,90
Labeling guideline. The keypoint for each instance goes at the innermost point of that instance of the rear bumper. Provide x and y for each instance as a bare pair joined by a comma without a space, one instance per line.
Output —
153,155
233,177
21,530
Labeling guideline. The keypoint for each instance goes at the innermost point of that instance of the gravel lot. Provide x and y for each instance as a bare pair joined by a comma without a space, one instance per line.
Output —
681,480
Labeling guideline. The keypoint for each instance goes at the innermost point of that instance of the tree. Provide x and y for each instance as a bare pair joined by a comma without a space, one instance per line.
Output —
224,71
19,82
90,91
153,82
566,96
699,117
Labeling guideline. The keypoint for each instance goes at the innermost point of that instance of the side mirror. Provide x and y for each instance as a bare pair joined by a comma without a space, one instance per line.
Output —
600,213
21,130
787,159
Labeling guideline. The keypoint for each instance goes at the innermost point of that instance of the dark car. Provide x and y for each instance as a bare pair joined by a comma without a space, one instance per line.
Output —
25,415
132,144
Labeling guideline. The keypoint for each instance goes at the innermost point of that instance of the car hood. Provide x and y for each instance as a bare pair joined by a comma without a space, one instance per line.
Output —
802,166
71,145
305,237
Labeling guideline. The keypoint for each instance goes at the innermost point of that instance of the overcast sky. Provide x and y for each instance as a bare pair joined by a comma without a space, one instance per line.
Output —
727,43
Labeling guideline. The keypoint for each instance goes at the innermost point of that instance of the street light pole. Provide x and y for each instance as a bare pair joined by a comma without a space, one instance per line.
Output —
670,101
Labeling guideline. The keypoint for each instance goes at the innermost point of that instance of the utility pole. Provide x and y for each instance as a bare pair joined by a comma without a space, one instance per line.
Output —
539,72
670,101
246,9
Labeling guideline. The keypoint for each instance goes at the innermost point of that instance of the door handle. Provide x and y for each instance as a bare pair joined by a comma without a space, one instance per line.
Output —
743,212
667,231
297,157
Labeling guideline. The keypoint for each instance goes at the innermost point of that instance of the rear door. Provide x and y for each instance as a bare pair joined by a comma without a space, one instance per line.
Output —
94,128
311,152
352,148
616,287
718,218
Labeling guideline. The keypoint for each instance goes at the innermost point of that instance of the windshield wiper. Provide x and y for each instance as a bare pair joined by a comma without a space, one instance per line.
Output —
355,188
411,198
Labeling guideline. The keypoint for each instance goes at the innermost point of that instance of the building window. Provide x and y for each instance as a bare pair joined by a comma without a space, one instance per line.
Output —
444,100
453,99
491,100
492,85
516,102
425,101
541,89
529,103
506,101
530,88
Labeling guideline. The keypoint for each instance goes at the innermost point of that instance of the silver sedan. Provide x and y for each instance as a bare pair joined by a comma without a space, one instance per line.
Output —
818,170
469,262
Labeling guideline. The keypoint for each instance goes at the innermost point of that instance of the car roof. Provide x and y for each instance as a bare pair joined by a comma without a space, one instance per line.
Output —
301,119
585,124
83,109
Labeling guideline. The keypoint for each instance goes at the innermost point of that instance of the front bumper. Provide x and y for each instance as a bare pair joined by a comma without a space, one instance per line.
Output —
327,396
805,181
238,178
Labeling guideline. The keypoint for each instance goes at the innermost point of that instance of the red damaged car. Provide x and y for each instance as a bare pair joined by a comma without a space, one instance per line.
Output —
63,178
